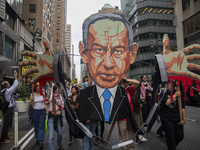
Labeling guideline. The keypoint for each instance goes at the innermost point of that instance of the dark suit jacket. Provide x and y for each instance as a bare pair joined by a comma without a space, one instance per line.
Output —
90,107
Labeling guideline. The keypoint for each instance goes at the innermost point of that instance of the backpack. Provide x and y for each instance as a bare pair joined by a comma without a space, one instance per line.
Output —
3,102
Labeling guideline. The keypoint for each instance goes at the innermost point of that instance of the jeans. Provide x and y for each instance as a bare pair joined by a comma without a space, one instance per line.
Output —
39,116
51,133
87,143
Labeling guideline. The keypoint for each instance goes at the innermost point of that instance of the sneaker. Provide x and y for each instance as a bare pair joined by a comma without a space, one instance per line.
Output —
41,144
143,139
70,142
5,141
61,147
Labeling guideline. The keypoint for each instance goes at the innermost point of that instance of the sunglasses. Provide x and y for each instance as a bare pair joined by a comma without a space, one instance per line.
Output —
37,85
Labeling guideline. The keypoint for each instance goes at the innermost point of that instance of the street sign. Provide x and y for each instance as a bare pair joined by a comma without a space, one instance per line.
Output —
24,68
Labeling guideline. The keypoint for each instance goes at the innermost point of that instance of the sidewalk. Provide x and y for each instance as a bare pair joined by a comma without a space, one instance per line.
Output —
24,126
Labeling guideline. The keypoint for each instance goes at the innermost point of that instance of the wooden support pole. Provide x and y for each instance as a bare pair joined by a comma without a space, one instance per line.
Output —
110,132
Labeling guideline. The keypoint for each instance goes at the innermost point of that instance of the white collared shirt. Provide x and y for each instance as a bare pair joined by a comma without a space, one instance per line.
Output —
101,98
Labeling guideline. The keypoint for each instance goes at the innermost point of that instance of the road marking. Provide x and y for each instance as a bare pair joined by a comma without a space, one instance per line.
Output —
21,117
27,141
22,139
190,119
25,136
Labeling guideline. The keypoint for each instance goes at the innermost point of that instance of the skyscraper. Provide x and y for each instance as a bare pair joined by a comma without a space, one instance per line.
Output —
187,22
150,19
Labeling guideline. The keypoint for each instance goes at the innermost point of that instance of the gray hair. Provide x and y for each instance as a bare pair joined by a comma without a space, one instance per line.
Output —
106,15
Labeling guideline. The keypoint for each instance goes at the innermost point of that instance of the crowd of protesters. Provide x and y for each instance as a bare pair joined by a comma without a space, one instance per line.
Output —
51,104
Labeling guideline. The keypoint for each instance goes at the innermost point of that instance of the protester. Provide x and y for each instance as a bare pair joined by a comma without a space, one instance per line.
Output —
122,123
170,117
38,115
55,122
85,82
8,112
72,100
68,88
146,94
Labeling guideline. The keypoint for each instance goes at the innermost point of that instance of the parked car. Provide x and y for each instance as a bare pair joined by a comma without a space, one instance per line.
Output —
192,99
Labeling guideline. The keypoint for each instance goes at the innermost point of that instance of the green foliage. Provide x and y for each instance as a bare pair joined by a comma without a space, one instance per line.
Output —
24,93
172,48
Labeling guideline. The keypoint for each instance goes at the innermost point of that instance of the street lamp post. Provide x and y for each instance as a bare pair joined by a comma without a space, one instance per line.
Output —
36,32
154,44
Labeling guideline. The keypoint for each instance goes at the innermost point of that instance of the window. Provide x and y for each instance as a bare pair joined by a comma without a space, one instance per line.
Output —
58,15
58,10
58,21
57,46
8,50
154,10
191,25
58,40
48,35
32,8
10,21
58,28
58,4
185,4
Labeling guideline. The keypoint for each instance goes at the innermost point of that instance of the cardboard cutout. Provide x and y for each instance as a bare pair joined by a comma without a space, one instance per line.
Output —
43,65
182,65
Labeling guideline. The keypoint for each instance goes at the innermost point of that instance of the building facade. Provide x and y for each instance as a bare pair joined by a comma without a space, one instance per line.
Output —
40,14
150,19
68,49
14,37
187,22
59,28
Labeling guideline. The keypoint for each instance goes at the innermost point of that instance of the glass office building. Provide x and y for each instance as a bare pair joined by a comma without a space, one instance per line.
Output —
150,20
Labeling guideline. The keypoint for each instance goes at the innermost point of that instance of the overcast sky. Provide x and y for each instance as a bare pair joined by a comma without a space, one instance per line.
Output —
77,12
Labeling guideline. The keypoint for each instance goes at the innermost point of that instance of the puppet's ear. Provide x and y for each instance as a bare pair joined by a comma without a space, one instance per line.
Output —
81,51
133,53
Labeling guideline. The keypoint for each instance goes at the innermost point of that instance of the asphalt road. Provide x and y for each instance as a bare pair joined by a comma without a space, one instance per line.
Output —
191,140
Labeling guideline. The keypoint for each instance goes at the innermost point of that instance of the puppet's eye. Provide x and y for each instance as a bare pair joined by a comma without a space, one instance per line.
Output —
118,51
99,50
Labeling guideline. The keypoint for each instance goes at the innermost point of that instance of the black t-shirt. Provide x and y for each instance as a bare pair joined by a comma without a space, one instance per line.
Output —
171,111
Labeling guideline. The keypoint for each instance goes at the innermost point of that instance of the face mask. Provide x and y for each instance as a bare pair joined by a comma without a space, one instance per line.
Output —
85,84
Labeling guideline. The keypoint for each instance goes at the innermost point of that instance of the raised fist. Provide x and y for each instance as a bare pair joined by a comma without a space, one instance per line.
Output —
43,63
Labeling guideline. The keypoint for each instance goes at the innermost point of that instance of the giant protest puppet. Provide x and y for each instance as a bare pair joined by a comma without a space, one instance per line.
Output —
108,50
41,65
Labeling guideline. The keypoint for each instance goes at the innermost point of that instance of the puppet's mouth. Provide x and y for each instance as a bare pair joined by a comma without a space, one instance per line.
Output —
107,77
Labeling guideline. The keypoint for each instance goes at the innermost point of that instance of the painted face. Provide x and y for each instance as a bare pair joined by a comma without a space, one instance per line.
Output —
108,52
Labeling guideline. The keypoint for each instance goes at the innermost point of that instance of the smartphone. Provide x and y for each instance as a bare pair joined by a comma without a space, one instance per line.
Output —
15,71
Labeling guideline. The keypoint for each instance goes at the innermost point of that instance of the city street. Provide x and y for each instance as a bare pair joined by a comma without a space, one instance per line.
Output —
190,142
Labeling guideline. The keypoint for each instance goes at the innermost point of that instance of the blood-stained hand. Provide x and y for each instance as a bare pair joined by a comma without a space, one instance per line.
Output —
184,62
43,63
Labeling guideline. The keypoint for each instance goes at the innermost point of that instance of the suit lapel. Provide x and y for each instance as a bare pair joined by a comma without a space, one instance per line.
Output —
94,99
117,103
